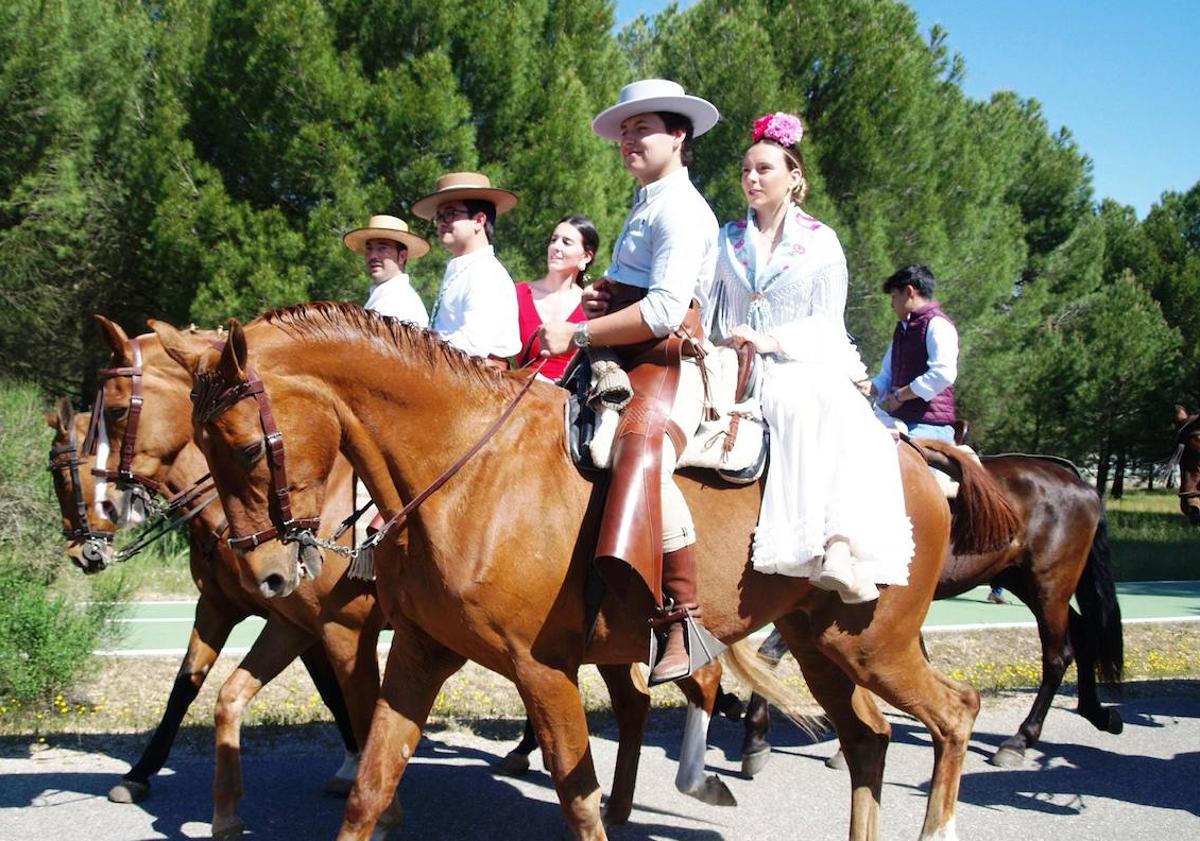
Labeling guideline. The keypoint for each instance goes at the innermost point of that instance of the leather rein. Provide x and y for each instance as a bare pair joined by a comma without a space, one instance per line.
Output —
210,401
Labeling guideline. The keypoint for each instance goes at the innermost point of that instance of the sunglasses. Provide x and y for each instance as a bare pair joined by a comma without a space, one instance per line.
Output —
449,215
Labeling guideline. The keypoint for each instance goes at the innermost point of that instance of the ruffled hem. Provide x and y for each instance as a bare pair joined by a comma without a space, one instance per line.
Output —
883,552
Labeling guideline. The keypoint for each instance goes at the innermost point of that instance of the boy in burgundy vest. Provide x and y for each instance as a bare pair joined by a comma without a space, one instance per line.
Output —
916,381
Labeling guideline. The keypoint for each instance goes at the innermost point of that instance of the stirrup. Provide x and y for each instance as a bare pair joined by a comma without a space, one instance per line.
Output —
701,646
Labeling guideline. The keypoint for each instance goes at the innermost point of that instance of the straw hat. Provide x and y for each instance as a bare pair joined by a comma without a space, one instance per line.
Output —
461,186
386,227
655,95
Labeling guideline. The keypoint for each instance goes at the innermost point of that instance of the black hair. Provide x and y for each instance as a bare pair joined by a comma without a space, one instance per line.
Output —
477,206
677,122
587,234
918,276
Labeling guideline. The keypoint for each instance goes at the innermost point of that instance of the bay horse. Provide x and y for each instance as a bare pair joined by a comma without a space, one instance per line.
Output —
1187,456
335,618
218,609
484,575
1061,551
332,612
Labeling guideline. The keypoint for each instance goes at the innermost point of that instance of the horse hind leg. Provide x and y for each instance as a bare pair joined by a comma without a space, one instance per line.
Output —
1107,719
756,750
701,691
316,662
516,761
631,705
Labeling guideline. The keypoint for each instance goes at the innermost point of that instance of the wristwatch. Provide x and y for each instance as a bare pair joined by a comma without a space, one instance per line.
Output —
582,338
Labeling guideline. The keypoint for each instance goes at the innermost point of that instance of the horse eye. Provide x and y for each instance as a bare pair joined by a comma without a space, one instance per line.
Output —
117,413
252,453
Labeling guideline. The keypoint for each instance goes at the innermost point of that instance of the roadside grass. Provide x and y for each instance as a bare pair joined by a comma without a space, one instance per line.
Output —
1150,539
128,695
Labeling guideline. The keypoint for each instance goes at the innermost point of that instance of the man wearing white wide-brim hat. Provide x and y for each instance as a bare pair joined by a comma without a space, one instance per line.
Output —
387,245
664,261
476,307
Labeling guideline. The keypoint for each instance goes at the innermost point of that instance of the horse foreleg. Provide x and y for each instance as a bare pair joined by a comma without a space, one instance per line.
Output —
278,644
417,666
552,700
701,691
316,661
210,629
756,750
631,704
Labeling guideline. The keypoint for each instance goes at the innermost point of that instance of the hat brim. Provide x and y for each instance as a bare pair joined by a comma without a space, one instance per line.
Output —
426,206
701,112
356,240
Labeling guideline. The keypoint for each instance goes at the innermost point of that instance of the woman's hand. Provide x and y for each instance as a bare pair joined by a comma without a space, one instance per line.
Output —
556,337
763,342
866,388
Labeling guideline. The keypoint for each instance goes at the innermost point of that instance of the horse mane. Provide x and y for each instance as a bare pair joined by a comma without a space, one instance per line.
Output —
338,320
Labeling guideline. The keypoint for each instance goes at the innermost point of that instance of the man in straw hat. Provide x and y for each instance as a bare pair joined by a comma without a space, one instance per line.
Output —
663,261
476,308
387,245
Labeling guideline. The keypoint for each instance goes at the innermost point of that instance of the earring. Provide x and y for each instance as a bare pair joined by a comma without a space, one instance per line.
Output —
582,265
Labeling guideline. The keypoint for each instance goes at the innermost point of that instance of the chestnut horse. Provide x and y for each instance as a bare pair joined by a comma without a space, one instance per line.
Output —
337,611
1062,550
487,576
221,604
332,613
1187,456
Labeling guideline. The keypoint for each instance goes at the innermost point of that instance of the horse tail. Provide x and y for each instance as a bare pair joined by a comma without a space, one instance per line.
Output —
983,518
743,661
1096,594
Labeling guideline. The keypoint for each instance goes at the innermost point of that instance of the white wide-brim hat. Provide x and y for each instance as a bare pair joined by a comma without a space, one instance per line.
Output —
461,186
386,227
655,95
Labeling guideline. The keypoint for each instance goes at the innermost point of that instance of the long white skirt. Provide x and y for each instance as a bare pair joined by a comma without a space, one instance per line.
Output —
834,470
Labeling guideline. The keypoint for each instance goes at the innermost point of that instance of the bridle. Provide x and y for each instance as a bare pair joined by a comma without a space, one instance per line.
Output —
94,542
1189,430
163,516
211,398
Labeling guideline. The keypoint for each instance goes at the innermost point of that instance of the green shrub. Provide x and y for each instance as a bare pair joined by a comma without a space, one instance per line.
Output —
51,618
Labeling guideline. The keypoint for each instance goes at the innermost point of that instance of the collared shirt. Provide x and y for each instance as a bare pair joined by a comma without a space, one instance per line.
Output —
668,247
476,308
941,344
396,297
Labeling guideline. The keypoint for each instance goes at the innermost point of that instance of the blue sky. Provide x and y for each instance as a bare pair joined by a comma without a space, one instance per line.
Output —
1123,77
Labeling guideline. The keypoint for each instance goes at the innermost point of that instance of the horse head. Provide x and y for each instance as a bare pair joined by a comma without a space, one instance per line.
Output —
1187,439
241,423
88,532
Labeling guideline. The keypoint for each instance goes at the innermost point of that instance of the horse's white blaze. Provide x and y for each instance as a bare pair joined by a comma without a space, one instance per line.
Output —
101,491
946,833
690,776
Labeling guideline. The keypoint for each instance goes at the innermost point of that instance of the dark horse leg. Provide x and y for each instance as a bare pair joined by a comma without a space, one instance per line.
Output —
316,662
1097,634
756,750
516,761
210,630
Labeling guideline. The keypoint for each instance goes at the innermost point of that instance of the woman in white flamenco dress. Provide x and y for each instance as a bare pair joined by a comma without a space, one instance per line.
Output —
833,508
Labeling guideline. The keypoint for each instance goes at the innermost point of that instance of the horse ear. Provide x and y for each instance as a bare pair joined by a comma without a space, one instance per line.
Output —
116,339
233,355
1181,415
184,348
62,417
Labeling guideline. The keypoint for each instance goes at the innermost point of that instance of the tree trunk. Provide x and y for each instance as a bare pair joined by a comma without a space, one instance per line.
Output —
1150,476
1118,487
1102,470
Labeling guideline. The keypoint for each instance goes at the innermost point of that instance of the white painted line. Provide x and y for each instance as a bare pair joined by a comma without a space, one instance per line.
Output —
233,651
985,626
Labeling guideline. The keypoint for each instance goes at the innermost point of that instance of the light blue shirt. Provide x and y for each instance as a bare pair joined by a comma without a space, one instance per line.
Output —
668,247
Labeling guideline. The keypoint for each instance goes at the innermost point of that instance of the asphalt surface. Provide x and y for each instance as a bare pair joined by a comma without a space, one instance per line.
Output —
1080,785
161,629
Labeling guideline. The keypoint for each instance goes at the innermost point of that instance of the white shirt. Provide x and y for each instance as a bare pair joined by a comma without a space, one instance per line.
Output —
668,247
396,297
476,308
941,345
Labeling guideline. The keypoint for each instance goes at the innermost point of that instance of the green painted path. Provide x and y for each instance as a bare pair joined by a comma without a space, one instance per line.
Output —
162,628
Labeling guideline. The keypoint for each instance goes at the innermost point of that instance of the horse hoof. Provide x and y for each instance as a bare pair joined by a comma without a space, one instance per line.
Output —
616,815
1008,757
1115,724
228,829
339,787
714,792
129,791
514,764
755,761
837,762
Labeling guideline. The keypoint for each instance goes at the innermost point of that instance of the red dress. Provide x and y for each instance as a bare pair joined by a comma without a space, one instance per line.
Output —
529,321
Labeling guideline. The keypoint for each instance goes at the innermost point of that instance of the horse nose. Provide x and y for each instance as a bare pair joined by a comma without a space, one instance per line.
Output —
273,585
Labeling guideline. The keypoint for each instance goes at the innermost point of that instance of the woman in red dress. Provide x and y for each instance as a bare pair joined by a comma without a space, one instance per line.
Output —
555,296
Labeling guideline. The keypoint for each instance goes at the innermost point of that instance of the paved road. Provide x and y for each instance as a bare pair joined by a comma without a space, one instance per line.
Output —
1081,786
161,628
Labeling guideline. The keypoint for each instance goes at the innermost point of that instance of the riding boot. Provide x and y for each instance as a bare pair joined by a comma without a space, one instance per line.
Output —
679,585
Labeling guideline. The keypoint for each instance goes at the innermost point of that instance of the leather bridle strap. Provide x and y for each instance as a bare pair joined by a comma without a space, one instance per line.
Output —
124,472
287,526
70,466
1187,431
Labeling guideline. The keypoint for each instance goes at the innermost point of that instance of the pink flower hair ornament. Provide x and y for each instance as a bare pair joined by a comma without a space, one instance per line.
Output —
784,129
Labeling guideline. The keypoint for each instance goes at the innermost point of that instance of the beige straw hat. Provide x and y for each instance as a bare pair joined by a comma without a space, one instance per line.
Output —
386,227
460,186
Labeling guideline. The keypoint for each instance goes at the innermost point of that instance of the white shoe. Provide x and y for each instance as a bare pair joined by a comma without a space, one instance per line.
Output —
861,591
837,569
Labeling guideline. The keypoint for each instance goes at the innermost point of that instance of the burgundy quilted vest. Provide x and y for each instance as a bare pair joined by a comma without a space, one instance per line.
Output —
910,359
